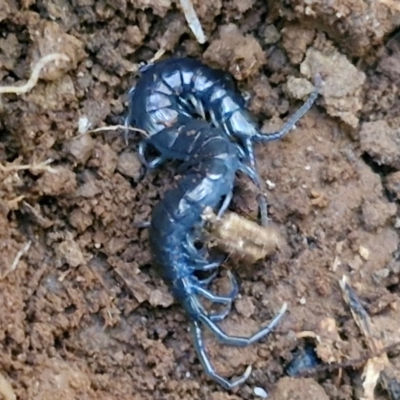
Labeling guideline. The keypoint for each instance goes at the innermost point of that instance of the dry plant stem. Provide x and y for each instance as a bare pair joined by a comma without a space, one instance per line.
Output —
239,236
374,368
193,20
14,203
6,389
20,253
34,75
157,56
43,166
111,127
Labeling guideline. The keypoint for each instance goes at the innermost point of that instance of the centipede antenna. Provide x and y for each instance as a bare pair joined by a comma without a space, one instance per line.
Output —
259,137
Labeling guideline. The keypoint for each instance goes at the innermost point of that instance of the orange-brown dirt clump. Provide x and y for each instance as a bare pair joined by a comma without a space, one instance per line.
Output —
82,313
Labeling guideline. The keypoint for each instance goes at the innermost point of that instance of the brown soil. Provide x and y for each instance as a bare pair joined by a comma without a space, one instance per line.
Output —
83,315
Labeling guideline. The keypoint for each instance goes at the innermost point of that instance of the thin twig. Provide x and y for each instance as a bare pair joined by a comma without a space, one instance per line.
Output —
193,20
20,253
157,56
34,167
111,127
374,369
34,75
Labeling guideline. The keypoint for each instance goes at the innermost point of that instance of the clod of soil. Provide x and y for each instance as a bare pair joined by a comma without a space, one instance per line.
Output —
83,314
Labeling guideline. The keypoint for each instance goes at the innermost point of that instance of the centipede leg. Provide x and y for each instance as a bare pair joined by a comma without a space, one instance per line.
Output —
154,163
215,298
206,363
207,266
205,282
217,316
198,257
240,341
192,249
225,204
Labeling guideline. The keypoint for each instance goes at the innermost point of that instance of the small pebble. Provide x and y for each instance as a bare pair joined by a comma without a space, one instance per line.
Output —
271,34
83,124
271,185
364,253
260,392
80,147
129,165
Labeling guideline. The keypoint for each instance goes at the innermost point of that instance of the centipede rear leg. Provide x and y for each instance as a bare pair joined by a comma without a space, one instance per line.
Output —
225,299
206,363
216,316
240,341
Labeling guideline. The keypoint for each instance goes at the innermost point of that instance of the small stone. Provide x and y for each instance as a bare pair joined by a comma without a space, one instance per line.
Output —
380,275
83,124
69,252
271,34
260,392
245,306
80,148
271,185
299,88
129,165
160,298
59,182
364,252
356,263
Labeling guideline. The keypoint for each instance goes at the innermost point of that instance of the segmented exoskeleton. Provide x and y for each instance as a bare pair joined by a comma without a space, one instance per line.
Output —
210,162
178,88
172,101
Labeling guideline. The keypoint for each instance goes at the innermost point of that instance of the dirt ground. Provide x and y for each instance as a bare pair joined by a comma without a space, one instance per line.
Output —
83,315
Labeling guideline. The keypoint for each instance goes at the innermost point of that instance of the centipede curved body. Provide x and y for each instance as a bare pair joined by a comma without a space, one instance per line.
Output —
172,90
210,163
172,101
